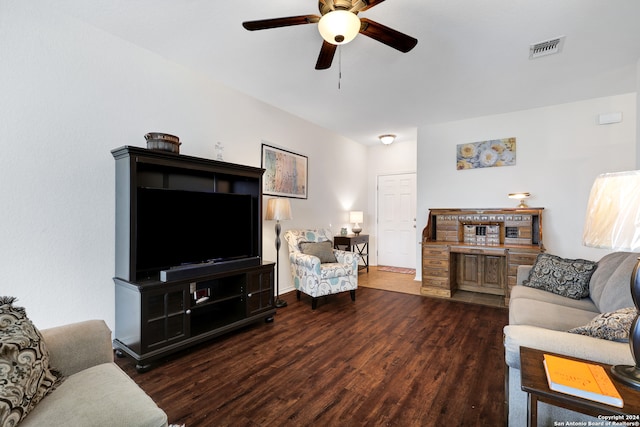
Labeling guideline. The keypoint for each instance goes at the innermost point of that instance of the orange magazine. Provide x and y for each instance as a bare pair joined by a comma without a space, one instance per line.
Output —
581,379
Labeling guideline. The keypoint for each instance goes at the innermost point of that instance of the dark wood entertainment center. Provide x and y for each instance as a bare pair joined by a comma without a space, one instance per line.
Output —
167,309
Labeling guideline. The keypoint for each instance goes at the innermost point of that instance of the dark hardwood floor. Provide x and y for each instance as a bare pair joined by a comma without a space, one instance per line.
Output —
389,359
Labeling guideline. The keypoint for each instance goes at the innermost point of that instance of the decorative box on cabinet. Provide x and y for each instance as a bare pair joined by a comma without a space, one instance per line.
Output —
478,250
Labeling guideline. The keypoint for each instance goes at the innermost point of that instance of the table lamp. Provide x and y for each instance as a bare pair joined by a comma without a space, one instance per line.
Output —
278,209
356,217
522,197
613,222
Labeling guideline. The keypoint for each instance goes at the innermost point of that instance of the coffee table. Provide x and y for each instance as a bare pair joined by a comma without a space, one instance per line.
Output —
534,382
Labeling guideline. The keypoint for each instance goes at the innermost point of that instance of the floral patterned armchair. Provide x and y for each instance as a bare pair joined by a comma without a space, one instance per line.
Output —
316,278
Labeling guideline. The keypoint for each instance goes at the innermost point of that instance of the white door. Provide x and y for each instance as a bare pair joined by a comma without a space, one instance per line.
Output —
397,220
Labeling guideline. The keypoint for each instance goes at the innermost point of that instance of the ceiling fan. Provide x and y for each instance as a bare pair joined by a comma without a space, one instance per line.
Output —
339,24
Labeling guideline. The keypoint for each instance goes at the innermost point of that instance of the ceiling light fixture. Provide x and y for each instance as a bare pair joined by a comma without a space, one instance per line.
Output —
387,139
339,26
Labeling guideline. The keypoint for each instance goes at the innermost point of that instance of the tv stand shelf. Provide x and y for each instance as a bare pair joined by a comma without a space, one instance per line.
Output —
156,318
171,210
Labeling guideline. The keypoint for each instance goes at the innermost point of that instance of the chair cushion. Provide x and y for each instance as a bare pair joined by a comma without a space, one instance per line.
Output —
523,311
322,250
332,270
525,292
25,375
567,277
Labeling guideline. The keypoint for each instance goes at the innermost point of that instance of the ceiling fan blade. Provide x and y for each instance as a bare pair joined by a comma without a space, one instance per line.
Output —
264,24
386,35
370,4
326,56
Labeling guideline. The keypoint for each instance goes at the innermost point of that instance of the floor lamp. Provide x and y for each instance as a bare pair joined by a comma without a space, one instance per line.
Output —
278,209
613,222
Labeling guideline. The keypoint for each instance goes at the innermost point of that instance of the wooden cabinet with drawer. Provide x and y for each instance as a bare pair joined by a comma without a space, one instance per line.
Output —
478,250
481,270
448,228
436,270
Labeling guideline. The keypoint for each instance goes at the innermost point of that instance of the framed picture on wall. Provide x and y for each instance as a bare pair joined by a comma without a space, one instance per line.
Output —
285,173
484,154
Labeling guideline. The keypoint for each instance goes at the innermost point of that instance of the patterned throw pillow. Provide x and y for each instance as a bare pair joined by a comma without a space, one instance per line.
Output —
25,376
567,277
323,250
613,326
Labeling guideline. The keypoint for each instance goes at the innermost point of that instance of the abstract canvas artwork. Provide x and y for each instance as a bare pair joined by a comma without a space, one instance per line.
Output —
485,154
285,173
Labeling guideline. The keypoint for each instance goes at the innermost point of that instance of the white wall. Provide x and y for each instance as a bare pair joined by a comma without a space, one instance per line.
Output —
399,157
560,150
71,93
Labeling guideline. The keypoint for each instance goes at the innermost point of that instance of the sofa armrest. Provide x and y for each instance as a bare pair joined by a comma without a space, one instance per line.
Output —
78,346
523,273
576,345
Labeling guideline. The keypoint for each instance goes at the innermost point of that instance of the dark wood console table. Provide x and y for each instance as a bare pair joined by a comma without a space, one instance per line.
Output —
355,243
534,382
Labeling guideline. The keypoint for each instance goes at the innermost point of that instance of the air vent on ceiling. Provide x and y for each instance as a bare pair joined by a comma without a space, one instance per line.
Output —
547,47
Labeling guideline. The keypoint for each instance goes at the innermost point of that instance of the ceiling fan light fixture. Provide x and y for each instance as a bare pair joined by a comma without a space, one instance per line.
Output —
387,139
339,26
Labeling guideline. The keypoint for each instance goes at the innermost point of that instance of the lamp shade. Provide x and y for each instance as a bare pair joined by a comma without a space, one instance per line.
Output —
278,209
339,26
356,217
519,196
613,213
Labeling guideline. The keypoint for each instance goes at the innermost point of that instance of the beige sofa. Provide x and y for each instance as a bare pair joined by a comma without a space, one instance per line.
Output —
540,319
95,392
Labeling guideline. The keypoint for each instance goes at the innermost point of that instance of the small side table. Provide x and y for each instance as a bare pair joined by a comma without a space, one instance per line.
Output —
534,382
358,244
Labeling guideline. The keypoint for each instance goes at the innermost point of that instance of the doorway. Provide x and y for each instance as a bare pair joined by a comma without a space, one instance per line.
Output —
397,220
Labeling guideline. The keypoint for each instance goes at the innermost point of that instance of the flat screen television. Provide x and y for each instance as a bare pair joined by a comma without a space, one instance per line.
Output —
179,228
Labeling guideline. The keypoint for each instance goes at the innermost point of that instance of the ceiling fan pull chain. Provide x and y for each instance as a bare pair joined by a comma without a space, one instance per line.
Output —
339,65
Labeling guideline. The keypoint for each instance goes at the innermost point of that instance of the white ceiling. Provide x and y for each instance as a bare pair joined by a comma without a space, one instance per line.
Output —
471,58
